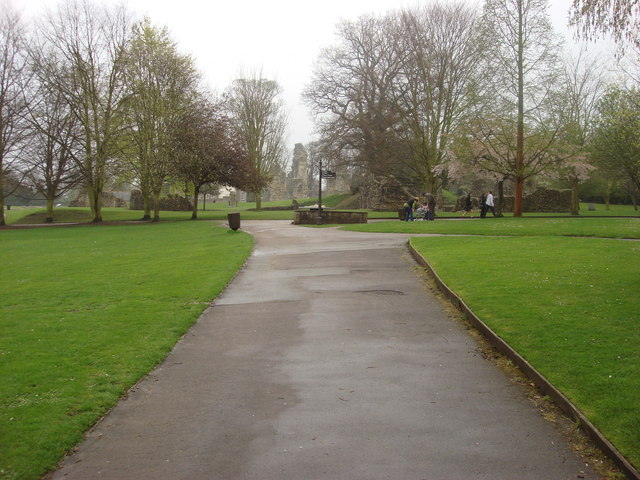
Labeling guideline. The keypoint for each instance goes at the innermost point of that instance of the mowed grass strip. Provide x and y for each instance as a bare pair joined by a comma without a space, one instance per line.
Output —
87,311
570,306
538,226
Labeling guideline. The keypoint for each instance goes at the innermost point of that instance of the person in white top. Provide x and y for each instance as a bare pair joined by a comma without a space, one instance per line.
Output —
489,203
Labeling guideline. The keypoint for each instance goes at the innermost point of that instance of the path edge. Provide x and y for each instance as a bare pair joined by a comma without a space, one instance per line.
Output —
568,408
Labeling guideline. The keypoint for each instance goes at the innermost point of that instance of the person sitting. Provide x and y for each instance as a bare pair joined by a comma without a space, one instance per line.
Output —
423,212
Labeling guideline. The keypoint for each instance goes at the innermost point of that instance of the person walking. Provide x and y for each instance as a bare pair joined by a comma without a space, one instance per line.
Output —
468,205
483,205
431,202
409,206
489,203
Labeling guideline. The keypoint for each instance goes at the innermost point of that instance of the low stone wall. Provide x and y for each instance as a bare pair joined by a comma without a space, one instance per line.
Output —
310,217
542,200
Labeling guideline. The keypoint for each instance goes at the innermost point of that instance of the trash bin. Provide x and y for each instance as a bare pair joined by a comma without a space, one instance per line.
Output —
592,207
234,221
401,213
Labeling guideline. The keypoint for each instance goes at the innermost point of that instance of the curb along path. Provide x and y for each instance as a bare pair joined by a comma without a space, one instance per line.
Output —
325,358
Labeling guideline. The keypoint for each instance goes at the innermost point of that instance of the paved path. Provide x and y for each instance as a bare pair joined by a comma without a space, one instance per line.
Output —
326,358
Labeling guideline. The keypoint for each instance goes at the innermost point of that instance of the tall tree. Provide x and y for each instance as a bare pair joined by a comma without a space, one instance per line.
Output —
616,140
258,112
390,93
161,84
439,56
521,68
583,83
50,167
351,95
13,102
82,54
620,18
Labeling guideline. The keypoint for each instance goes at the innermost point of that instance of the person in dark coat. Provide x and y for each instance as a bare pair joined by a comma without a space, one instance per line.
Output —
468,205
409,206
431,202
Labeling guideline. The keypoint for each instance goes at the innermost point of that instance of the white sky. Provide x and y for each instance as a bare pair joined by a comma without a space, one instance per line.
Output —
282,38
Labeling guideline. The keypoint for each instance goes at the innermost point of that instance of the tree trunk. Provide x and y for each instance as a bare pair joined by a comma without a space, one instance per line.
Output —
156,206
633,195
517,206
258,200
49,218
146,201
2,220
147,207
95,202
575,205
194,212
519,190
500,206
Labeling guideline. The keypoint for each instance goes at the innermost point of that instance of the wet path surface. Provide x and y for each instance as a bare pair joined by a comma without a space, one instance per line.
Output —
326,358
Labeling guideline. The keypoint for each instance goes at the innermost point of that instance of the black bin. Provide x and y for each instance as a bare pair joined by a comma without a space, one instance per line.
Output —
234,221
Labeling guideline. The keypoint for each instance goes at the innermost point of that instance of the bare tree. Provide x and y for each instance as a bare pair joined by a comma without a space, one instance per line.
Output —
620,18
521,67
390,93
13,103
352,95
50,167
439,61
259,116
82,54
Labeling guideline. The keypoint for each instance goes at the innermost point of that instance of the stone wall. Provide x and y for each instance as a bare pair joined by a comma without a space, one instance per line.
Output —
542,200
310,217
109,199
171,202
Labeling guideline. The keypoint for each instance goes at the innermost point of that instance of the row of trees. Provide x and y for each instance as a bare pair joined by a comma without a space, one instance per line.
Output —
439,93
96,96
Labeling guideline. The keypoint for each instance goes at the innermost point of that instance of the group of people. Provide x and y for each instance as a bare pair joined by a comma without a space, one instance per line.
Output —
414,210
486,205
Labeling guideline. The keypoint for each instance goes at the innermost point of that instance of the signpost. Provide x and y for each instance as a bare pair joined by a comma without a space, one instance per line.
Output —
322,174
319,220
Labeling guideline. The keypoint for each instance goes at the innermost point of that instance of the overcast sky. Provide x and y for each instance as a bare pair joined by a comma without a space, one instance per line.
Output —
280,37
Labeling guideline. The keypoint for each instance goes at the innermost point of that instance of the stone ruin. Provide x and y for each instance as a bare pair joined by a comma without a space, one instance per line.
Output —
300,181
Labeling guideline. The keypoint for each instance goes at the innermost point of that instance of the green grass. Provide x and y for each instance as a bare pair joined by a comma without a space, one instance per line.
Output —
614,210
213,211
219,211
568,305
539,226
87,311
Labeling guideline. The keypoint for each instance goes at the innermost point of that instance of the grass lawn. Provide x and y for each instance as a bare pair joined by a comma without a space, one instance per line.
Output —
537,226
570,306
87,311
219,211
